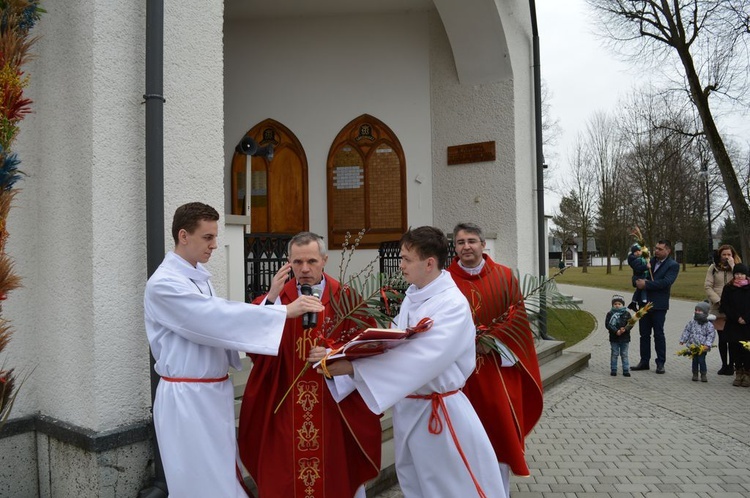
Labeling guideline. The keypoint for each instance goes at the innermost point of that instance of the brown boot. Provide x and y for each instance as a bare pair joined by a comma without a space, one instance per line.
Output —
745,379
739,374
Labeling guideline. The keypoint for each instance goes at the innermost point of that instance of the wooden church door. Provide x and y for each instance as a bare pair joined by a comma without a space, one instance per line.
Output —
278,198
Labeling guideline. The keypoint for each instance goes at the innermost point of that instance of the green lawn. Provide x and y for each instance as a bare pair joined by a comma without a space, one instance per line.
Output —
571,326
689,283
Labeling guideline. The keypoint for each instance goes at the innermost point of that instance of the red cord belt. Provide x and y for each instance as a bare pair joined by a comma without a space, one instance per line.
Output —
436,427
189,379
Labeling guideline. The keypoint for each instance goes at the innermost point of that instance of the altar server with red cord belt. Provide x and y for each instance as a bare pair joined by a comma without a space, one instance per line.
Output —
194,337
440,444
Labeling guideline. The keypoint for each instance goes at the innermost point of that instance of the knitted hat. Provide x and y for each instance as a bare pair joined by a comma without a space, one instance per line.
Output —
703,306
618,298
740,268
635,247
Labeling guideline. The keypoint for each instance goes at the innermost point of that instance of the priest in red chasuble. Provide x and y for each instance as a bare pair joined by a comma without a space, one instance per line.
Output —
506,386
312,446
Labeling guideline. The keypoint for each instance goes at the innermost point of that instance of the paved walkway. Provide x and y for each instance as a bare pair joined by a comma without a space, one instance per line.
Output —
645,436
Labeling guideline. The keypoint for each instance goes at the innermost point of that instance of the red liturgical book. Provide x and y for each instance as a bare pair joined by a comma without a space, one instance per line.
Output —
372,342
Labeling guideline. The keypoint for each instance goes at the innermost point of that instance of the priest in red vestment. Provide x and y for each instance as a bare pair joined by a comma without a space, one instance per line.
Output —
312,446
505,389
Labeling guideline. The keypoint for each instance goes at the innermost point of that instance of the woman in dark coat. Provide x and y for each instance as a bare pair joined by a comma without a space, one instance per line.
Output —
735,304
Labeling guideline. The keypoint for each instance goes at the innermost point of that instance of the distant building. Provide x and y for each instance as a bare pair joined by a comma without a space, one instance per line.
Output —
571,251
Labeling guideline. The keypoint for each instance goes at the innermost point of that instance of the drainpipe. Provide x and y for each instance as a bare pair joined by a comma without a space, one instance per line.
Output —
541,233
154,101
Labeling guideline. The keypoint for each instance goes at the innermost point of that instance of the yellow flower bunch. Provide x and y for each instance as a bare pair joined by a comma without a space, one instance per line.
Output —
693,350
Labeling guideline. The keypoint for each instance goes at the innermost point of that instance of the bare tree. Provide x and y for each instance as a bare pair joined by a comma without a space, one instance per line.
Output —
582,191
707,38
605,152
661,167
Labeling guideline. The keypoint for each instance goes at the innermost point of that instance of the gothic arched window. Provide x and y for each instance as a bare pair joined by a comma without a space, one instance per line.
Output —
366,184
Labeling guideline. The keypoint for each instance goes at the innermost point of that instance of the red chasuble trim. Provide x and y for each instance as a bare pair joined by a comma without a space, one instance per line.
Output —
308,450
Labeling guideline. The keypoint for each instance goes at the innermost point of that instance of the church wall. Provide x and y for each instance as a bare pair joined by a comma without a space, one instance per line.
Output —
78,230
482,193
315,75
80,223
497,195
517,25
51,227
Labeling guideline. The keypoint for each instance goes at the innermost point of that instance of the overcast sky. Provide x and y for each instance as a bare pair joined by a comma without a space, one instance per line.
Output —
584,76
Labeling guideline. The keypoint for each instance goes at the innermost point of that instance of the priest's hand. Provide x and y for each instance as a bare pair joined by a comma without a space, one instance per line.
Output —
316,354
304,304
278,281
339,367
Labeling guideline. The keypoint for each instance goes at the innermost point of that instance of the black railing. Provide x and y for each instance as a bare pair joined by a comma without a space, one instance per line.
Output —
388,254
265,253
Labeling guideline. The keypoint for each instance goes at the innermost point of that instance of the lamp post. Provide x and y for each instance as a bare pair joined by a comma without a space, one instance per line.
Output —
703,176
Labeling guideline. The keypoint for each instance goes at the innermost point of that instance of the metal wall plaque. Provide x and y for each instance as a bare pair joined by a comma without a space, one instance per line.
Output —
471,153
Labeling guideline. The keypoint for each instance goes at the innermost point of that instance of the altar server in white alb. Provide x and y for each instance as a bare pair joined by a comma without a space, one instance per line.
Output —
422,381
194,337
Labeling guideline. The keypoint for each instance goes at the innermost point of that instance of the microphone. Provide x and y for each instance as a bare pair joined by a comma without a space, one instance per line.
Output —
309,319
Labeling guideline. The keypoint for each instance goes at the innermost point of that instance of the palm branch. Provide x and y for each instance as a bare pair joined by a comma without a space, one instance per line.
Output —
518,305
7,394
8,389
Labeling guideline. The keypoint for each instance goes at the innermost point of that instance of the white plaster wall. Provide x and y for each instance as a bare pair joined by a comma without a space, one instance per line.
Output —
78,231
482,193
194,115
517,26
315,75
51,225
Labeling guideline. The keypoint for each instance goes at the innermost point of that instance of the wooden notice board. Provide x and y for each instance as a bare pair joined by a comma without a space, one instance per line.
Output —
471,153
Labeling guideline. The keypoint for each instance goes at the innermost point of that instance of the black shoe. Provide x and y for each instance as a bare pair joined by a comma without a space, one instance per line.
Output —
660,369
626,374
726,370
633,306
640,366
613,374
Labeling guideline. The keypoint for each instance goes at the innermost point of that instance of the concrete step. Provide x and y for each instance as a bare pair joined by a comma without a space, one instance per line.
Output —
549,350
572,298
562,367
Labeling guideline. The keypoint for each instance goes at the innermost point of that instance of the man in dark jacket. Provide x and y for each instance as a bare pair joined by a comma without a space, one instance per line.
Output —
664,270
